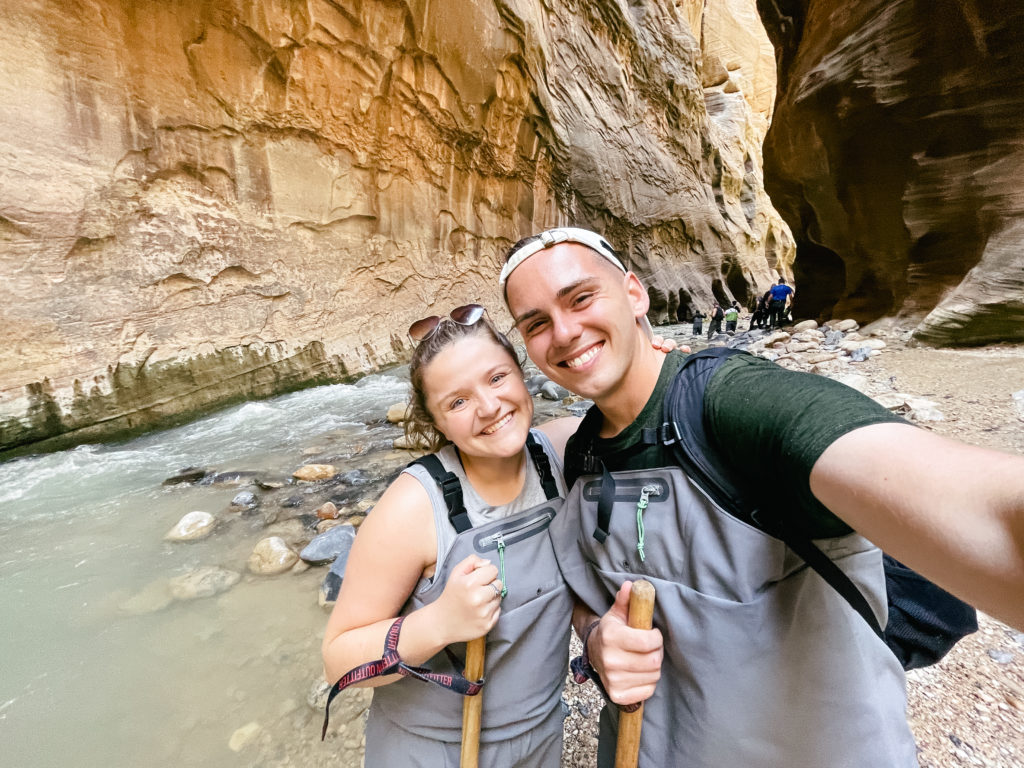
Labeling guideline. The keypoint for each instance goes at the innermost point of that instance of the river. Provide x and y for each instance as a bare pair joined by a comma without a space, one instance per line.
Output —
93,671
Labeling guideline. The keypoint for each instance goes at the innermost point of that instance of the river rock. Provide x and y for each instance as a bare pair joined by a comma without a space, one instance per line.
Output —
854,381
193,526
312,472
327,511
206,581
821,357
235,477
271,556
845,325
552,391
805,325
187,475
407,443
329,546
775,337
325,525
852,346
244,736
398,413
535,382
246,499
294,531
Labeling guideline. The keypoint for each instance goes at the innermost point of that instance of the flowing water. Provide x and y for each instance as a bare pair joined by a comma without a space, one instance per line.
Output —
93,671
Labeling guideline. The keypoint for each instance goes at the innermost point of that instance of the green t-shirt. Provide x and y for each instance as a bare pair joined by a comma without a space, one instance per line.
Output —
732,314
771,422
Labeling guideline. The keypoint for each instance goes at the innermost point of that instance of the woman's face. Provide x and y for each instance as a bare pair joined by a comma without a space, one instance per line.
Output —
477,398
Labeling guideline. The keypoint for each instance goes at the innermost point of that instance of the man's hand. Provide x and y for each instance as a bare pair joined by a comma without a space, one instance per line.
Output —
628,660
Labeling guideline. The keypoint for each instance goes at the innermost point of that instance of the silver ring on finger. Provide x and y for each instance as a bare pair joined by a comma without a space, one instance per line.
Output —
497,592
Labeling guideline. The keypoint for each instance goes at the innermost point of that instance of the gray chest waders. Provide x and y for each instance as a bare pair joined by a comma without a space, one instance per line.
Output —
763,665
527,649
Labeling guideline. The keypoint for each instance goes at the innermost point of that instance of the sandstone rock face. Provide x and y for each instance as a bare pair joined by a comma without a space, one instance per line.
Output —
204,203
896,155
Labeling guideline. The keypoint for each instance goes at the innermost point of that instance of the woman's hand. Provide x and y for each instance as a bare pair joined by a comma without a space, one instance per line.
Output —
471,601
667,345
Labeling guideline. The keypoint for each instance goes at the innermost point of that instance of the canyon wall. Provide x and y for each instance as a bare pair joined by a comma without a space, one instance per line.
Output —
205,202
896,154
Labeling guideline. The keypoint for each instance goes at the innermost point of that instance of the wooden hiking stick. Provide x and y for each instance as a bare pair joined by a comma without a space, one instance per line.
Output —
641,612
472,706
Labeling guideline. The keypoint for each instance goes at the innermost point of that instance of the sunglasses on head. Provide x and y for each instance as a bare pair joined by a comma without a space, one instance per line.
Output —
422,330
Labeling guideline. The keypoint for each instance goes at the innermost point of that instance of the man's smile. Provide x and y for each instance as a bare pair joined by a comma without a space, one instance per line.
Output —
583,358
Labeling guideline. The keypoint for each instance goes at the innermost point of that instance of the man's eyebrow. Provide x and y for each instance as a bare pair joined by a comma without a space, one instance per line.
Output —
561,294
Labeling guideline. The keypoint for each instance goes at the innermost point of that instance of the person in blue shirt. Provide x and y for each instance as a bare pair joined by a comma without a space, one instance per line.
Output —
780,293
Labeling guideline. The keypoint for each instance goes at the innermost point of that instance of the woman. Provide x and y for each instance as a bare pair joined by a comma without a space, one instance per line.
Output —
470,402
433,559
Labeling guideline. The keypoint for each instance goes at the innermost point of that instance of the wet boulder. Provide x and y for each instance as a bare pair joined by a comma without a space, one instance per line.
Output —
271,556
329,546
192,527
202,582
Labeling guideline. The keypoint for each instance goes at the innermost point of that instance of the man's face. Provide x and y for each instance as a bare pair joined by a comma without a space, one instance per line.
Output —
578,316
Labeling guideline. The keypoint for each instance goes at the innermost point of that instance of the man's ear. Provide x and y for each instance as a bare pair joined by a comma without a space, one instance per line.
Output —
638,298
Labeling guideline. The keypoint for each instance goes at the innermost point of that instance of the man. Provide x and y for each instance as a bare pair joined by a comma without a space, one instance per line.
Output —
780,293
715,323
754,660
732,316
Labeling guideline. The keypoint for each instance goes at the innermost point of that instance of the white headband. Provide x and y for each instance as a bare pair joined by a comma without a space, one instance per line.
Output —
555,236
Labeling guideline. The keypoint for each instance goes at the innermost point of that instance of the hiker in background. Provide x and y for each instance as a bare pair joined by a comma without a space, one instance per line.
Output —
732,316
839,461
780,294
757,313
716,316
698,322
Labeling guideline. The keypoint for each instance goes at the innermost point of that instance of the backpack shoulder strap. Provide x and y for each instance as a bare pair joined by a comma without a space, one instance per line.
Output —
543,465
451,489
684,431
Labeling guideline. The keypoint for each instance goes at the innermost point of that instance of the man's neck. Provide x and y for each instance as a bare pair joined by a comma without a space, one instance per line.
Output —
621,407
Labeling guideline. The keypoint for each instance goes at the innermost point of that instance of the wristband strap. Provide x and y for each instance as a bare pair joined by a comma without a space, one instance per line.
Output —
583,670
391,663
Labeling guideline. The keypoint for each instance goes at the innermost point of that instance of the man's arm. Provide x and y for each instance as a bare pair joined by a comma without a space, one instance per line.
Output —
951,511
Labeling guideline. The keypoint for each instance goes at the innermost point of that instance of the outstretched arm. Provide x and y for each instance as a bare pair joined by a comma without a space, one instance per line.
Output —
951,511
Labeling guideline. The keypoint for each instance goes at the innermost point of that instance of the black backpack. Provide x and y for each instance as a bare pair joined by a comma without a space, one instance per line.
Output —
925,621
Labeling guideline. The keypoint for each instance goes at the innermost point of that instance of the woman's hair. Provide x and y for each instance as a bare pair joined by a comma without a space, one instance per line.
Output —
419,424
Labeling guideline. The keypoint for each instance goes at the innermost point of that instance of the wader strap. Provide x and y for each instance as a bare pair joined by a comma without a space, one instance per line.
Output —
543,465
451,489
821,563
390,663
604,505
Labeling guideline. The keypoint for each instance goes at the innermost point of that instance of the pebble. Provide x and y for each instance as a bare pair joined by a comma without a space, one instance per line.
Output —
1000,656
313,472
327,511
1018,402
330,545
241,738
191,527
271,556
202,582
246,499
